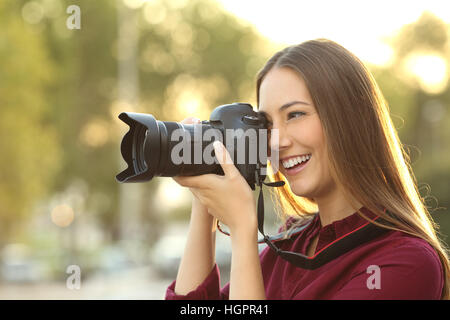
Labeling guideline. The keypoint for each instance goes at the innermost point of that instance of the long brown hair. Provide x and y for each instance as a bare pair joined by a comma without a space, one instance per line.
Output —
368,161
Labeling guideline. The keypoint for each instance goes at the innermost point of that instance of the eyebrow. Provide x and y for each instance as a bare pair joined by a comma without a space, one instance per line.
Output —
287,105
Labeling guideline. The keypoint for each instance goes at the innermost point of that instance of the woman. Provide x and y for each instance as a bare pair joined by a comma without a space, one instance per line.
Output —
331,116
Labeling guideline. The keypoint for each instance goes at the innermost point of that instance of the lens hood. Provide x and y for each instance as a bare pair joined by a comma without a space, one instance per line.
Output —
138,160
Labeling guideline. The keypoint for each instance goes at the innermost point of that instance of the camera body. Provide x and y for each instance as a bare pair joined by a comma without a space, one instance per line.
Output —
167,149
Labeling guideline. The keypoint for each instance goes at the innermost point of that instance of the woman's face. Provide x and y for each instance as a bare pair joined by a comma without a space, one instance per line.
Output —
285,101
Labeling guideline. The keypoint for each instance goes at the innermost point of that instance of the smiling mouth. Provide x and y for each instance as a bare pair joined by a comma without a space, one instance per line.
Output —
296,164
295,161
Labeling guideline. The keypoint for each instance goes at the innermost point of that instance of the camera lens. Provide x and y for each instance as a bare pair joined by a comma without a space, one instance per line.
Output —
163,148
138,152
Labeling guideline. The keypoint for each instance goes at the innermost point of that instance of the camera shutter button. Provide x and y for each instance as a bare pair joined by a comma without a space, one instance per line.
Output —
251,120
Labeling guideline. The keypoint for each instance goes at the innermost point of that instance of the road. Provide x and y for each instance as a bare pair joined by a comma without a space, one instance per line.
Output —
140,283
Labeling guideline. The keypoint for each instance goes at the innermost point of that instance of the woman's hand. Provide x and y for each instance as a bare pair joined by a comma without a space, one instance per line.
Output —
228,198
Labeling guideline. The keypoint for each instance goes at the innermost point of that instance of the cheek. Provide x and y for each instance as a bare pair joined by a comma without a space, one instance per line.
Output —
311,137
309,134
317,133
320,153
317,139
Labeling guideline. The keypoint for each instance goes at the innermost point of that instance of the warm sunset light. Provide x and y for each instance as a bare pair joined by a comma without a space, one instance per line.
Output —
430,70
360,26
93,95
172,195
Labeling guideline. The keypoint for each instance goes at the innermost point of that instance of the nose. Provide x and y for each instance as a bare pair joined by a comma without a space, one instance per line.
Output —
279,139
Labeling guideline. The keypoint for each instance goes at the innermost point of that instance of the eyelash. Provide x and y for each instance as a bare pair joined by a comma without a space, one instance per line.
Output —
297,112
289,114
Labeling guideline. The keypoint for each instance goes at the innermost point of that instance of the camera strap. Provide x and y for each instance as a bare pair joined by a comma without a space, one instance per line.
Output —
351,240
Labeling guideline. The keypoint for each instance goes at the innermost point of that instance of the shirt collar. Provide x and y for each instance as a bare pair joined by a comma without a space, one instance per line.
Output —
339,228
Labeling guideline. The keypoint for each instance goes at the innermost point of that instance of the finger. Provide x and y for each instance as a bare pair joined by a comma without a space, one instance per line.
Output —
204,181
190,120
224,159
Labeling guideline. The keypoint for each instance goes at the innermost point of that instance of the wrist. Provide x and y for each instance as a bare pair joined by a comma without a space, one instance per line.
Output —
245,229
200,214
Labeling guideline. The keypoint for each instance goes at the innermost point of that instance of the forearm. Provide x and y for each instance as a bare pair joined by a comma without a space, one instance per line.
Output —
246,280
199,254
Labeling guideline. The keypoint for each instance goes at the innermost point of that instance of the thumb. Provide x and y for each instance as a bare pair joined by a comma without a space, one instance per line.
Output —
224,159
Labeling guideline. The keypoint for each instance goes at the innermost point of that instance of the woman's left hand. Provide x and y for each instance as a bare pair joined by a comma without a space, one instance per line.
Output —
228,198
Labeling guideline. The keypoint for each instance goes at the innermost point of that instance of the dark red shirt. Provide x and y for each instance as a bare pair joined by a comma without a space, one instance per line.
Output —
393,266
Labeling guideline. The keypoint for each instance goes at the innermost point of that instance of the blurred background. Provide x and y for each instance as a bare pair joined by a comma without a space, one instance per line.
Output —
61,90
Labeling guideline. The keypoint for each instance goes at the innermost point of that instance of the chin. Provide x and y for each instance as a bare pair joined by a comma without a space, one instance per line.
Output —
302,191
304,195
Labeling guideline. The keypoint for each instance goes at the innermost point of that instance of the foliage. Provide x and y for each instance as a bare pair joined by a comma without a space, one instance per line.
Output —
59,96
29,142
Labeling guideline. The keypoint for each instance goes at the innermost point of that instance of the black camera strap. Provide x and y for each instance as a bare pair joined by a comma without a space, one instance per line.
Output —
363,234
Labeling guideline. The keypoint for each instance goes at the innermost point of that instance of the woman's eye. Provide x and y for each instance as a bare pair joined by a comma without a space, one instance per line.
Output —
295,114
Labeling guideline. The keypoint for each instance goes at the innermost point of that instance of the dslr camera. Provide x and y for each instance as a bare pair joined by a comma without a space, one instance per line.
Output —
154,148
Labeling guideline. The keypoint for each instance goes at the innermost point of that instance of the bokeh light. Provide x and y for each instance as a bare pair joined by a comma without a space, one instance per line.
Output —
62,215
32,12
171,196
95,133
430,70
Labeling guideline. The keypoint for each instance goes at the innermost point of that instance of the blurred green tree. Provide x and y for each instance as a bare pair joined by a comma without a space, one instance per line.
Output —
192,56
59,94
29,142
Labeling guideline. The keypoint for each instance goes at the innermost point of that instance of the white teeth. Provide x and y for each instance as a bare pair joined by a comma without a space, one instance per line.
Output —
293,161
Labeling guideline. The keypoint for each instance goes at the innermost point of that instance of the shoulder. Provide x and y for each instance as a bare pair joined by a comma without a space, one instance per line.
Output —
408,249
408,266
